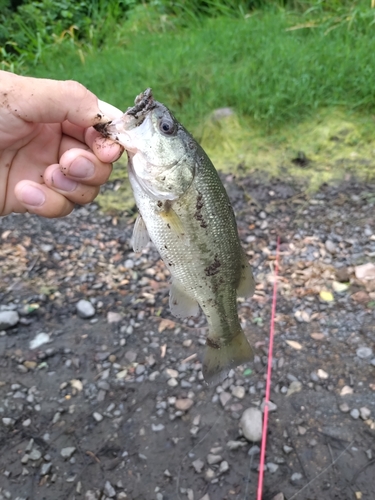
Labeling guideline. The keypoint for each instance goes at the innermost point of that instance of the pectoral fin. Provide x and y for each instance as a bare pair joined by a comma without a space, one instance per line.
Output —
180,303
140,234
247,284
173,222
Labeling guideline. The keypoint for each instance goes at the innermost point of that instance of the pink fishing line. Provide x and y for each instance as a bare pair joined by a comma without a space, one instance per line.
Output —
269,374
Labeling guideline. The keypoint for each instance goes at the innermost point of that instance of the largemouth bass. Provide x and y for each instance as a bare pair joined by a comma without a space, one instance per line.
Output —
185,210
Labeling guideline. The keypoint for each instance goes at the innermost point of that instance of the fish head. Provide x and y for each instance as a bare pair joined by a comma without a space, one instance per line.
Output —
160,151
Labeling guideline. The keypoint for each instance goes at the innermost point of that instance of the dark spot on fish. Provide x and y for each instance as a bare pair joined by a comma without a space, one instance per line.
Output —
170,263
168,225
163,178
165,246
191,145
212,343
243,266
213,268
200,202
198,214
159,204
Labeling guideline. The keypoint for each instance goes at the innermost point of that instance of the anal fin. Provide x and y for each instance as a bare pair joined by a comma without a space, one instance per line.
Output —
180,303
246,286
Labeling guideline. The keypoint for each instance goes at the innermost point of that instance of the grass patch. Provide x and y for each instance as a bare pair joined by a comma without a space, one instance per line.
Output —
255,65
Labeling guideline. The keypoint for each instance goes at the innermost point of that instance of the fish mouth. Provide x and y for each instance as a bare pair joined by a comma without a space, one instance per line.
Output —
133,116
143,104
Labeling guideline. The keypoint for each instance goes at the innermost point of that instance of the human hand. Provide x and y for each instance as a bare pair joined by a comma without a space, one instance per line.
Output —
50,156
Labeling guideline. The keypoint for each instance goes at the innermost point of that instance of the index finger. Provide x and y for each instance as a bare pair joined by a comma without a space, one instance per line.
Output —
50,101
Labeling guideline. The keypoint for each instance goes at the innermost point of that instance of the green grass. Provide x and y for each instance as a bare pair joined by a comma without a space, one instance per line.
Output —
255,65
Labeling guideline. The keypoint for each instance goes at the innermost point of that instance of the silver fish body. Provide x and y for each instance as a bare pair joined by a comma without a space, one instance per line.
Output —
185,211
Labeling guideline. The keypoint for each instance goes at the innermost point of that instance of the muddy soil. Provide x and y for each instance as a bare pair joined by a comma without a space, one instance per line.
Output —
114,406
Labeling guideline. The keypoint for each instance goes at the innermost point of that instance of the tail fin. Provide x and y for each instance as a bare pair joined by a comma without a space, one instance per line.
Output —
219,359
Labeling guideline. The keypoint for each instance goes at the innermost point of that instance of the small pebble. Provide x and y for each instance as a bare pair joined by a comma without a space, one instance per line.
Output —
224,467
67,452
213,459
295,477
322,374
85,309
8,319
364,352
251,423
239,391
354,413
8,422
172,382
235,445
271,406
45,469
365,413
198,465
271,467
35,454
109,490
330,246
209,474
224,398
39,340
254,450
344,407
113,317
184,404
294,387
157,427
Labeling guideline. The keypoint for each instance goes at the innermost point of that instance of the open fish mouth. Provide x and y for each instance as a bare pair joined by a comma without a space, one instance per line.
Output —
133,116
143,103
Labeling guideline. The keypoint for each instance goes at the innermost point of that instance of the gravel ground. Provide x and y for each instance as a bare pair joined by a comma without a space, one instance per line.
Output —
101,390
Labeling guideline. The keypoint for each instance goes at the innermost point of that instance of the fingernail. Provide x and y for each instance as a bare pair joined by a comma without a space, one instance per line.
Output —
61,182
32,196
81,168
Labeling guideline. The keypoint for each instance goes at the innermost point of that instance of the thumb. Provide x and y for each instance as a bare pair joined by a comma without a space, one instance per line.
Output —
50,101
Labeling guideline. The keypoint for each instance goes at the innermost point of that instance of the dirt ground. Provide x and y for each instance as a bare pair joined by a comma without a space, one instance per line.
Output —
114,406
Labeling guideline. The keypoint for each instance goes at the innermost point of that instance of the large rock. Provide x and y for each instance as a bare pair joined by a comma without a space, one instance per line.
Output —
251,423
8,319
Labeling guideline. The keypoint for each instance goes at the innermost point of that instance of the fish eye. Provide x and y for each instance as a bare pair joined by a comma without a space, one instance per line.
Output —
167,126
